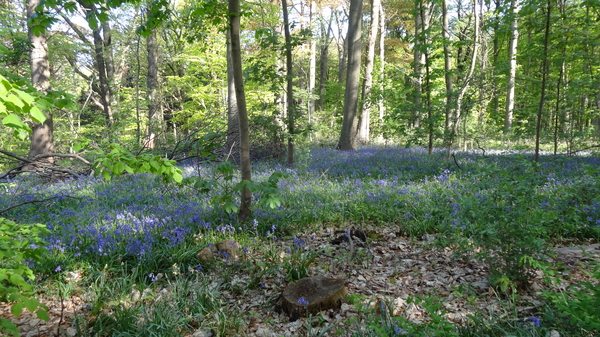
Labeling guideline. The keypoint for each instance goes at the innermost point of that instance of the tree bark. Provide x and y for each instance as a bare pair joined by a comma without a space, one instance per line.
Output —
382,65
101,65
324,60
42,136
512,69
350,120
538,128
447,73
152,89
342,44
458,114
312,68
232,144
290,84
417,69
365,111
236,60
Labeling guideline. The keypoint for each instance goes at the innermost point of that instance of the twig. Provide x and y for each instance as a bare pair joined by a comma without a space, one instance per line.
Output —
322,174
34,202
455,162
62,155
230,150
482,149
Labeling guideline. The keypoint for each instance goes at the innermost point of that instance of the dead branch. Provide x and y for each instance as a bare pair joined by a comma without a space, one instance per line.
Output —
62,155
35,202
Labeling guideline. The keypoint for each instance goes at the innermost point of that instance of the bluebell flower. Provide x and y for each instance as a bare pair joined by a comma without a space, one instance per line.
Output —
535,321
57,269
303,302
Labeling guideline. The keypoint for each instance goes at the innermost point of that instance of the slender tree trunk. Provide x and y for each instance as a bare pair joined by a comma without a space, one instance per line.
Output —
512,57
101,65
365,111
290,84
382,64
324,58
312,68
232,144
538,127
425,18
495,98
417,68
152,88
468,76
447,73
236,59
342,44
350,119
42,137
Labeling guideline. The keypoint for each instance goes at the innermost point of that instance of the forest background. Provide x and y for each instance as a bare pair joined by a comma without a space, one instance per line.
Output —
113,87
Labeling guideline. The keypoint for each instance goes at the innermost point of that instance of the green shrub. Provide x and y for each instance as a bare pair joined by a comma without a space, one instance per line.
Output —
19,244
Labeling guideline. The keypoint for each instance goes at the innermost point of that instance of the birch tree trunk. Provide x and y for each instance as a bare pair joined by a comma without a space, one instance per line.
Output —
42,136
417,69
365,111
350,119
512,70
236,59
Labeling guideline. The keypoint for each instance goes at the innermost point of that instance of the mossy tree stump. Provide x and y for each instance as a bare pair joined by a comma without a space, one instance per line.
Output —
311,295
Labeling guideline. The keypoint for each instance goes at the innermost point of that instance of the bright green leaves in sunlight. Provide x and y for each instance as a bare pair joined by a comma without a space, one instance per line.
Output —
18,244
118,161
17,104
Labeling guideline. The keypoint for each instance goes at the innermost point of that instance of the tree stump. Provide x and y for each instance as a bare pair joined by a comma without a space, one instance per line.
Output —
311,295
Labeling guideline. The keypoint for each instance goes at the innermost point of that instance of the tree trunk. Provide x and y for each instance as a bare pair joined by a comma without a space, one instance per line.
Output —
382,64
467,78
342,44
324,60
42,136
152,89
538,126
417,69
350,120
232,144
447,74
512,70
290,84
312,68
236,59
101,62
365,113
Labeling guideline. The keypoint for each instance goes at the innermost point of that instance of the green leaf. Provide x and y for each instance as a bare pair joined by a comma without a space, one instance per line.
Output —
106,174
15,100
13,121
177,177
17,280
17,309
31,304
42,314
37,115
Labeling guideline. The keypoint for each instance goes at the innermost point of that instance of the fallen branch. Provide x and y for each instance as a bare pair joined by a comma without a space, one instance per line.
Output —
456,162
35,202
62,155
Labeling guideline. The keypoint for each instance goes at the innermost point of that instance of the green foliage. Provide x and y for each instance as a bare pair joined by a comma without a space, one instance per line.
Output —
381,322
222,180
17,103
19,244
580,303
119,161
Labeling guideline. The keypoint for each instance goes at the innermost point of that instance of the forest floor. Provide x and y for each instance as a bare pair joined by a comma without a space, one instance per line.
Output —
381,275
